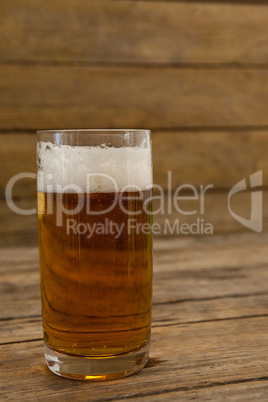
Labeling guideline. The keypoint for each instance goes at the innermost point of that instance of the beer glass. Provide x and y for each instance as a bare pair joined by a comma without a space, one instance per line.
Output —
95,243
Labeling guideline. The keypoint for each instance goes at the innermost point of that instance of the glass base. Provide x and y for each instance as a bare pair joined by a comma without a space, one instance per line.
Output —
96,369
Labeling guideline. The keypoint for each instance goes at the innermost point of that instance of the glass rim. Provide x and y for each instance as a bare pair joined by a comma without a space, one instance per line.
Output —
97,131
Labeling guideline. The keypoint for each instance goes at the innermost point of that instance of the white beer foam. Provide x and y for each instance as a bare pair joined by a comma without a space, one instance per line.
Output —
99,169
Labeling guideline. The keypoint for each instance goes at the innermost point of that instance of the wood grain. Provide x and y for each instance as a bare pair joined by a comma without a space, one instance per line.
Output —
149,32
201,354
78,97
248,391
196,73
193,253
211,339
227,276
167,313
203,157
22,329
18,155
12,222
15,229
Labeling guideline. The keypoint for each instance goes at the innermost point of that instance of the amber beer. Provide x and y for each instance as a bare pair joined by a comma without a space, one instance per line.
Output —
96,268
96,290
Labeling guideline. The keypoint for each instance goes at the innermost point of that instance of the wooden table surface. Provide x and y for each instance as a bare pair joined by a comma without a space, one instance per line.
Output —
209,332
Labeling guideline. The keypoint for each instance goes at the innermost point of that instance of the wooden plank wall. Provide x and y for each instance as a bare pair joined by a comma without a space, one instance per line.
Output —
194,72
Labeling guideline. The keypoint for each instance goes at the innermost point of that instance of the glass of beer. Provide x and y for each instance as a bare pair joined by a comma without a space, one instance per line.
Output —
95,243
